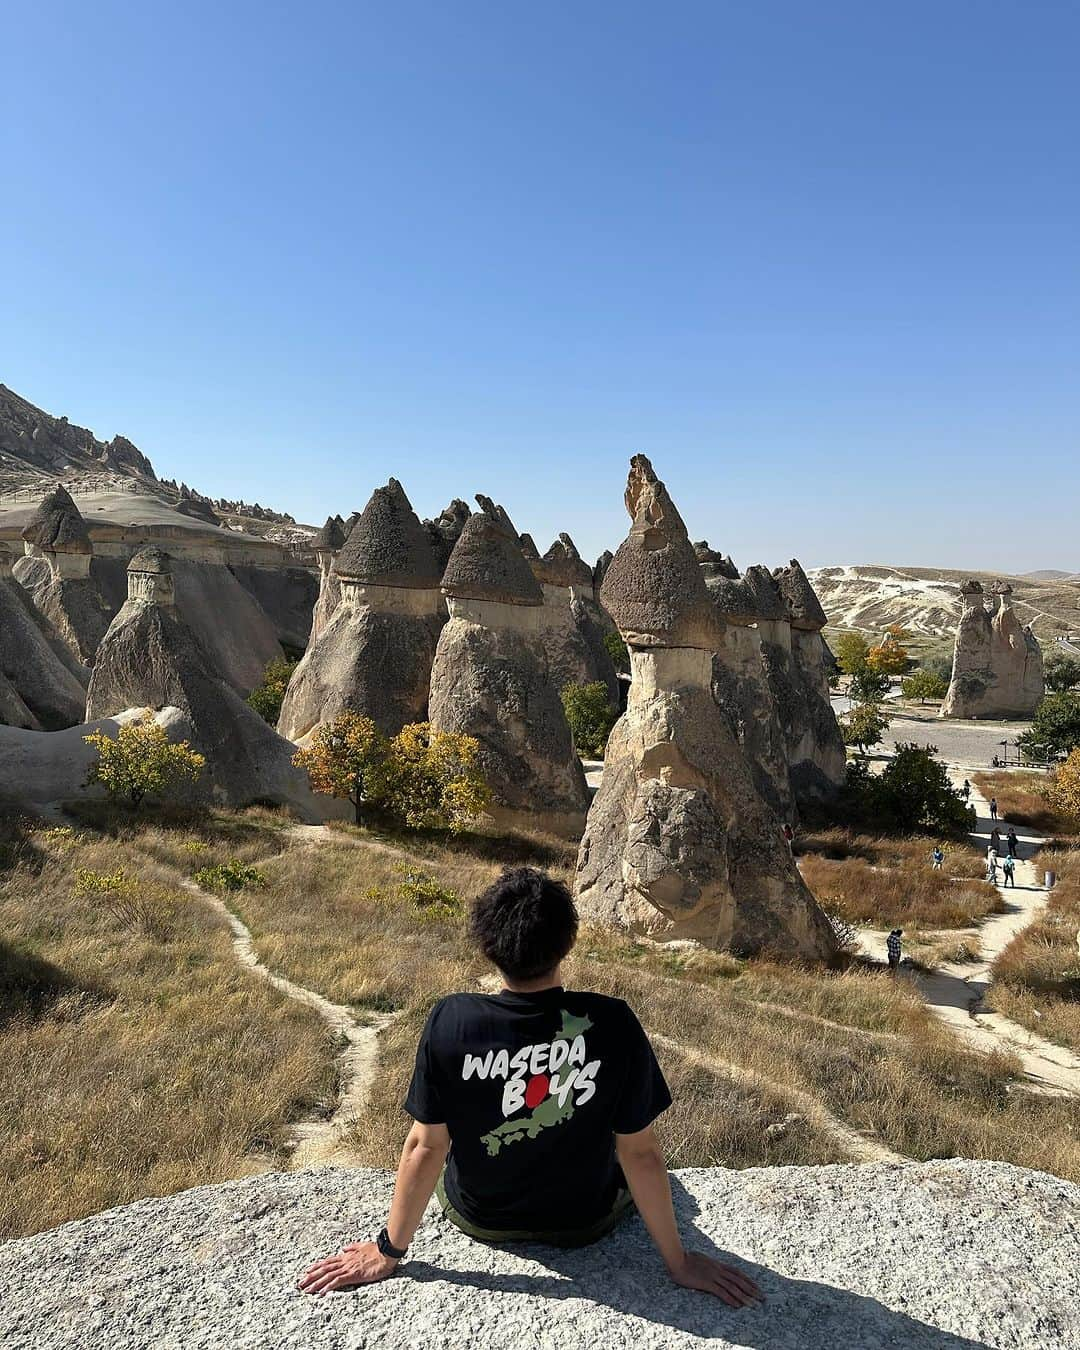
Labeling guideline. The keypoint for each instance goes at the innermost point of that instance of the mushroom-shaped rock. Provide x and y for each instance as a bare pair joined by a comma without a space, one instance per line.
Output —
997,664
653,588
42,686
57,526
600,568
576,624
714,565
487,564
492,679
803,604
444,532
678,842
331,537
150,658
562,565
373,654
388,546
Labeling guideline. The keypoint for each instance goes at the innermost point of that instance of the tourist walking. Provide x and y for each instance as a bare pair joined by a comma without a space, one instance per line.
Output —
993,808
966,790
789,836
937,857
892,946
991,865
1013,842
532,1110
1009,867
995,839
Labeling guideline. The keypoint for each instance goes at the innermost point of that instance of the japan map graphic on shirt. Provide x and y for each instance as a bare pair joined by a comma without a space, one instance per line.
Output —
548,1081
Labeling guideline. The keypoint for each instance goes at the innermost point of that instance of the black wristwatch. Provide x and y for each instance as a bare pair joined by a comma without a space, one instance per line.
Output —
387,1247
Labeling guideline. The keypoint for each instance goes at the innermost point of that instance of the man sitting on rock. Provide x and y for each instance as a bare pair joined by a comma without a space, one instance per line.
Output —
539,1102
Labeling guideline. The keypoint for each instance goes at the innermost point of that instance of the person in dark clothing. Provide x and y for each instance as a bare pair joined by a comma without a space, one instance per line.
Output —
995,839
1013,842
1009,868
892,945
539,1101
993,808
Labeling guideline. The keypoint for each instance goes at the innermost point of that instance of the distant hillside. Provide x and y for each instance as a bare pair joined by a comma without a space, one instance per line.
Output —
37,450
1049,574
926,600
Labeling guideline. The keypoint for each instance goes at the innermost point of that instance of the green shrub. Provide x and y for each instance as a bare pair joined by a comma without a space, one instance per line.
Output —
267,696
591,716
924,684
912,793
1055,728
130,902
232,875
433,900
616,649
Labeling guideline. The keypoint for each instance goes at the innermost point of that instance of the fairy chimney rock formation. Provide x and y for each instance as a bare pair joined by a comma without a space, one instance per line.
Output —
68,596
375,652
150,658
42,686
326,544
575,647
816,755
445,530
997,663
491,679
58,530
678,843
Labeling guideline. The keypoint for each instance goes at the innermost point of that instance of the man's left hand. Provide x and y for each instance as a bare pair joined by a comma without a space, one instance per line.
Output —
357,1263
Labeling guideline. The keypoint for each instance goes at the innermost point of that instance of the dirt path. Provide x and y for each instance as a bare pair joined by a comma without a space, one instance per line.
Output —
954,993
317,1141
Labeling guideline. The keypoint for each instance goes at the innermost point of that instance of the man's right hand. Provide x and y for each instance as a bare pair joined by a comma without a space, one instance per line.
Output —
698,1271
358,1263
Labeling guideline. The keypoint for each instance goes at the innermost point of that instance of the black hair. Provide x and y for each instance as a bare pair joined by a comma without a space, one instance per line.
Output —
525,923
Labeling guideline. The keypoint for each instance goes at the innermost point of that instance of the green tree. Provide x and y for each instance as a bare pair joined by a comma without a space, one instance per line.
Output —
616,649
864,726
140,761
1062,672
433,779
868,686
267,696
923,685
347,759
590,715
1055,728
913,792
851,651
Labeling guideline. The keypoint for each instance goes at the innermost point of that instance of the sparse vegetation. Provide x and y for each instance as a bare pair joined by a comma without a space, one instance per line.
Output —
924,685
1022,800
232,875
1037,976
912,794
616,649
1055,727
864,726
426,779
140,762
909,895
133,1061
267,696
590,715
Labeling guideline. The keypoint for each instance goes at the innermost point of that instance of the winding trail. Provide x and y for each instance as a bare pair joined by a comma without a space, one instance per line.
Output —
954,993
317,1141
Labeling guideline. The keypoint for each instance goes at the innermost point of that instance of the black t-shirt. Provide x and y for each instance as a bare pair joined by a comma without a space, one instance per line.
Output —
533,1089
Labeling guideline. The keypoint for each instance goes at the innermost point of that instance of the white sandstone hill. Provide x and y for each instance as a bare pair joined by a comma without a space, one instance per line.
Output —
927,599
948,1255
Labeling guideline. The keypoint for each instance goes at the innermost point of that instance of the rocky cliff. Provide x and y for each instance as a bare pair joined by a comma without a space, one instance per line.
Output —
934,1256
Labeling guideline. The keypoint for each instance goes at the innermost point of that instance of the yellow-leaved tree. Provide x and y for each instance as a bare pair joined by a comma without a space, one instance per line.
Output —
346,759
1063,789
433,778
890,657
140,761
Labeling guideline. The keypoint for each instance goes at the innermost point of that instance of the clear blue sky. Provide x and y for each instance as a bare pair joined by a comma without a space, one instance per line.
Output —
820,261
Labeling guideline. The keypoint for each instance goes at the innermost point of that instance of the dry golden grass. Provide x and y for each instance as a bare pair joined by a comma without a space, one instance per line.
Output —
202,1065
906,896
1037,976
136,1058
1021,801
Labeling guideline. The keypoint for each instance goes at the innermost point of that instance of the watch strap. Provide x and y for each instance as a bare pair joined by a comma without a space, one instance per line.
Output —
387,1247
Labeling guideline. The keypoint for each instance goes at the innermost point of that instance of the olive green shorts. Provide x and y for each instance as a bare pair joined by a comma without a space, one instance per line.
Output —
570,1237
